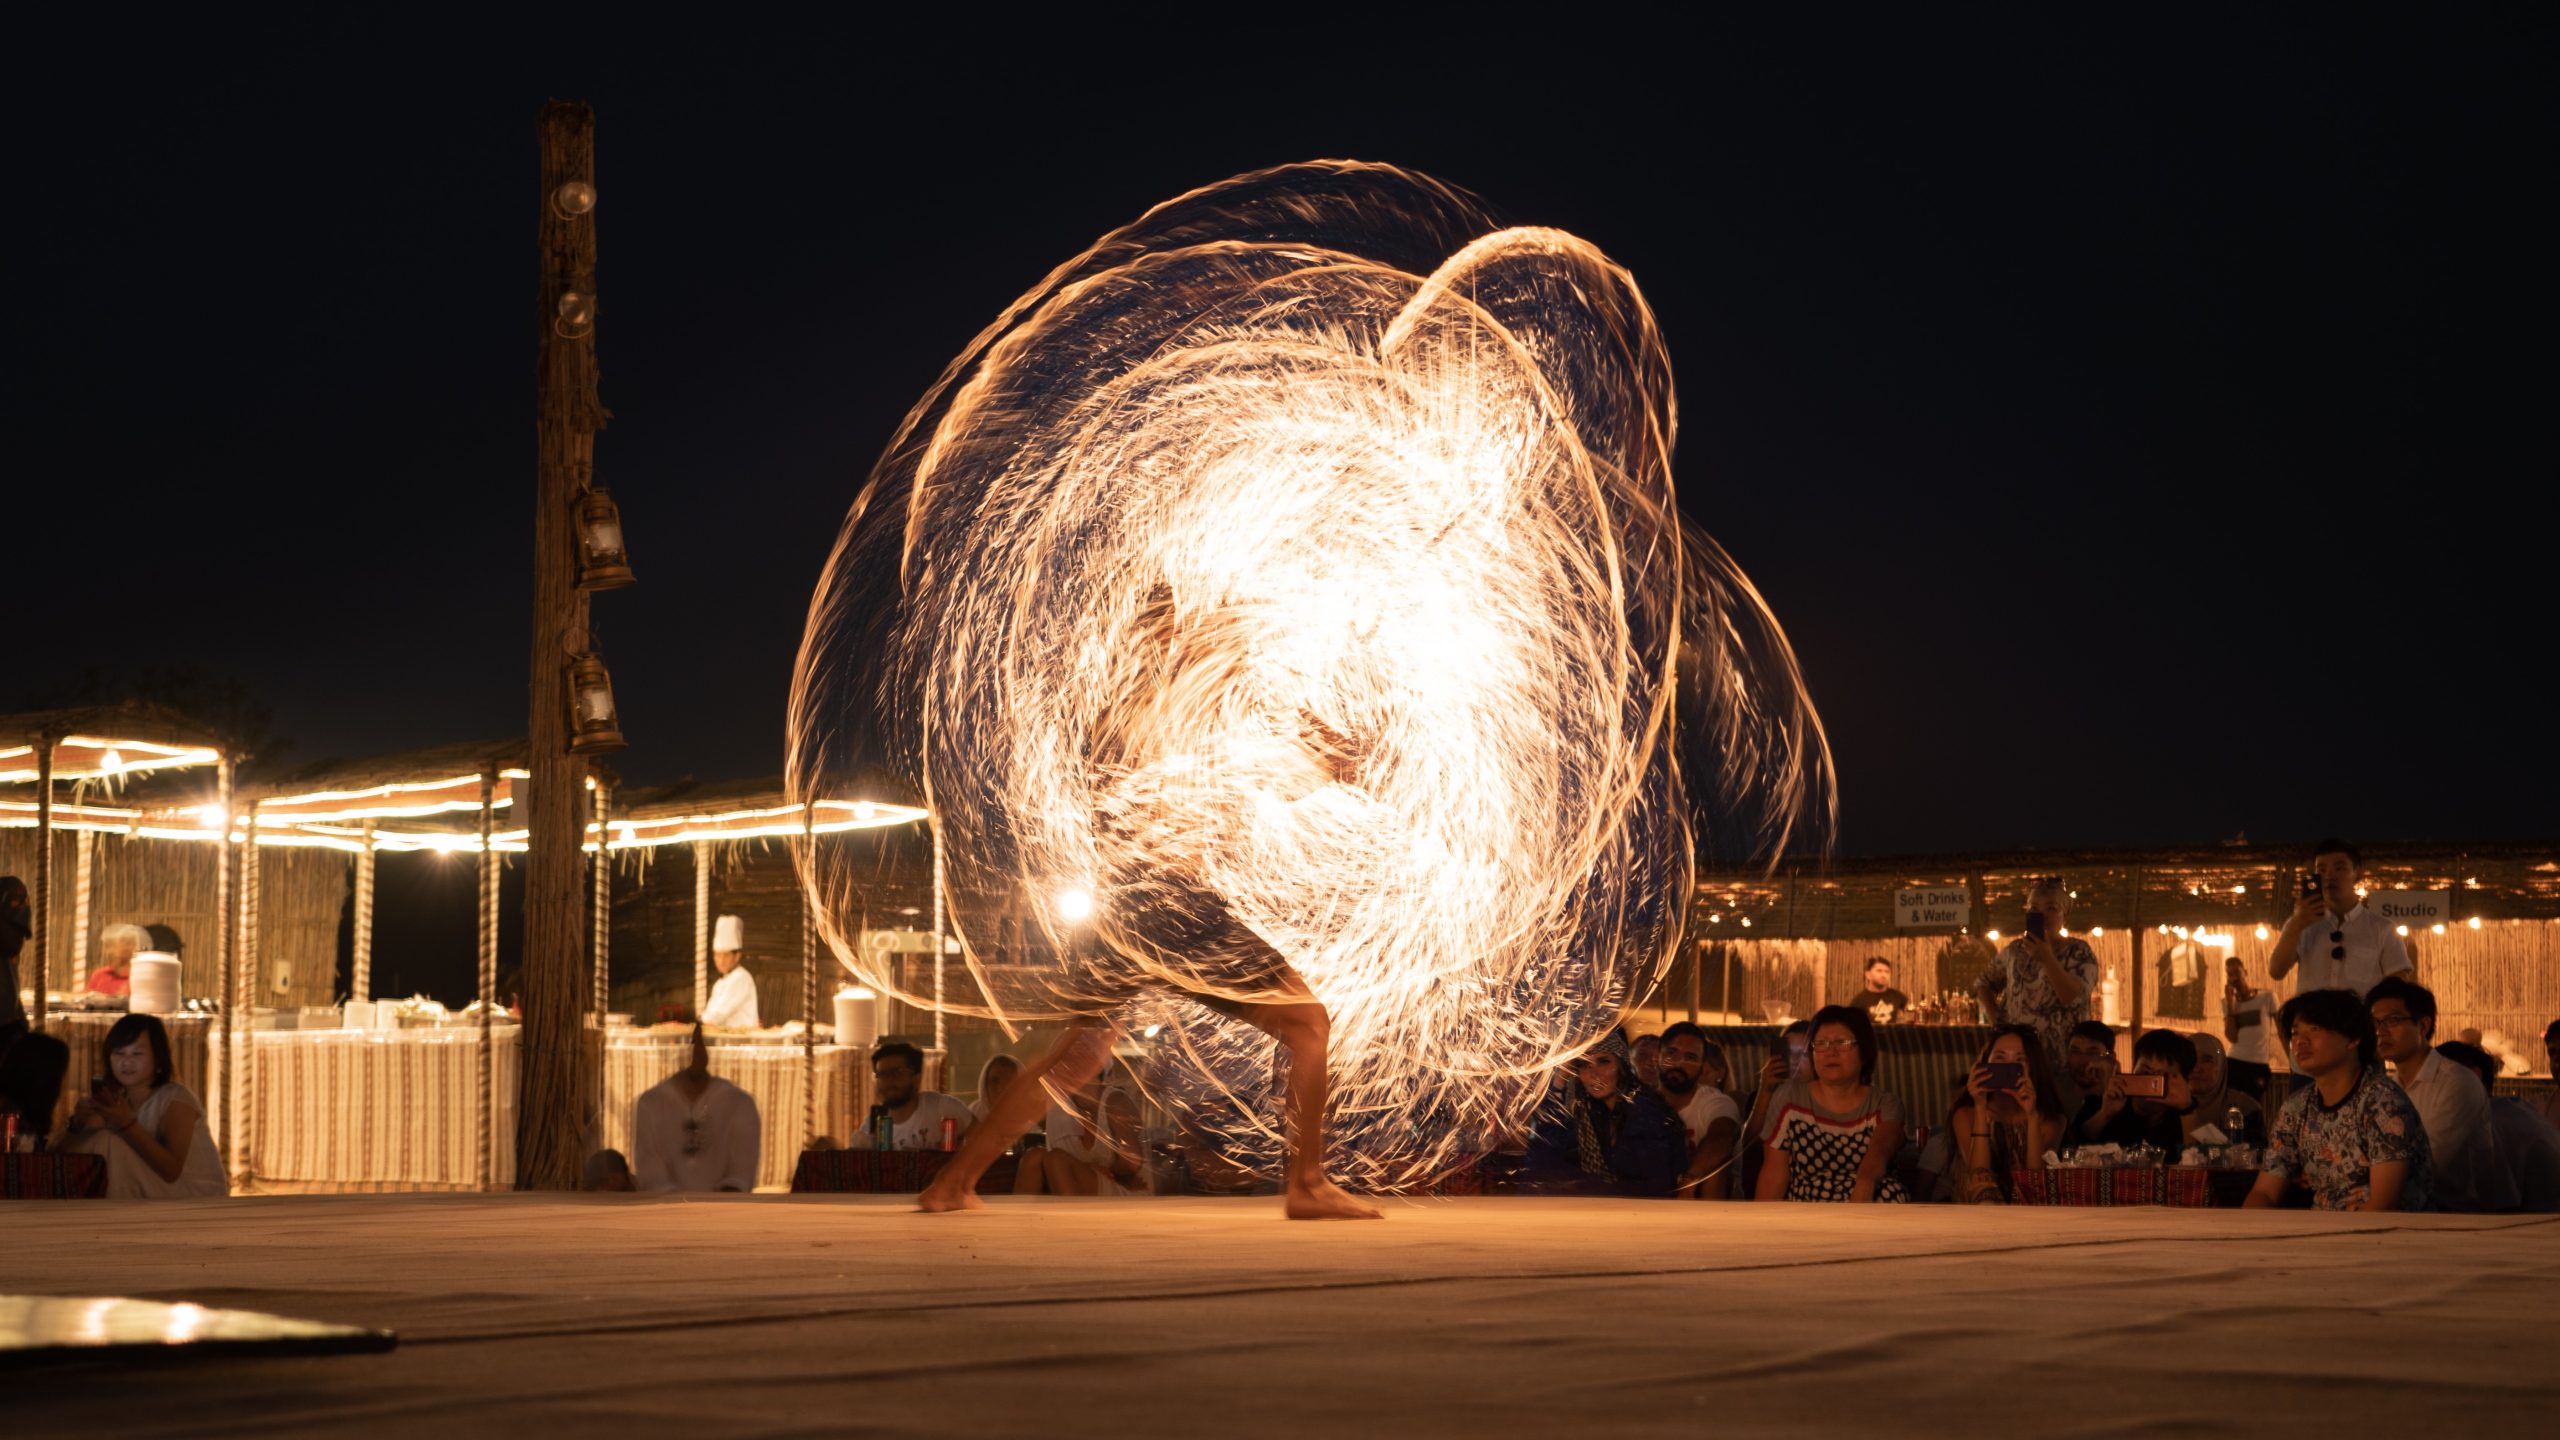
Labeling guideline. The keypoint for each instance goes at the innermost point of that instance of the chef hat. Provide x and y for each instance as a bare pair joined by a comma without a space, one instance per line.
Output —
729,934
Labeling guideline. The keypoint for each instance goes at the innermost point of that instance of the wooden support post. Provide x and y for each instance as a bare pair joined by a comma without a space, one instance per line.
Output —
488,979
809,973
252,987
2133,1014
701,927
226,963
940,1020
556,1093
84,847
40,930
360,981
600,928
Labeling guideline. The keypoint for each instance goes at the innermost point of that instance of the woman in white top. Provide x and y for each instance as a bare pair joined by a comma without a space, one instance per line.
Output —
1093,1146
150,1128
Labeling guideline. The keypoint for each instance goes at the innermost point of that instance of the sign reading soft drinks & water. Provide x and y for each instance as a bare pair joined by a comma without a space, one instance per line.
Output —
1936,905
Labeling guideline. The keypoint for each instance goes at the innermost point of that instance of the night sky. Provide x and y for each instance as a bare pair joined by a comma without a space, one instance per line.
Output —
2145,438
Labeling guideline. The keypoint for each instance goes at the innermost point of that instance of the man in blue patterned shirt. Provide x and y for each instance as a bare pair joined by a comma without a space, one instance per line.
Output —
2349,1136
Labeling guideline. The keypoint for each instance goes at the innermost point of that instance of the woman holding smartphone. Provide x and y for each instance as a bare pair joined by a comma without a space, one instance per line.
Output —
150,1128
2007,1115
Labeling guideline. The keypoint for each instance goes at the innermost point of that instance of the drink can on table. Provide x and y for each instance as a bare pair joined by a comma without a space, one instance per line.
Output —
950,1134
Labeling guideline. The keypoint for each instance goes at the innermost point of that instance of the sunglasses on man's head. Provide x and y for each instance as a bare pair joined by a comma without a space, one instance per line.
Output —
2337,944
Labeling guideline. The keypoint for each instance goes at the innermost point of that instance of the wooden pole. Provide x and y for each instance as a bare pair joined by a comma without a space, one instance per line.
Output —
225,961
701,927
557,1092
84,847
40,933
488,982
940,1018
600,929
809,974
360,983
242,1171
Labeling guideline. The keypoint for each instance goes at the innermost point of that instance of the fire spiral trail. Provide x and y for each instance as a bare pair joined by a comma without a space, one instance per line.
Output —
1307,550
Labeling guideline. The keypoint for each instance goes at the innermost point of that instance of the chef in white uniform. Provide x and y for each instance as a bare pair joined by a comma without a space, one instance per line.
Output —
733,995
694,1131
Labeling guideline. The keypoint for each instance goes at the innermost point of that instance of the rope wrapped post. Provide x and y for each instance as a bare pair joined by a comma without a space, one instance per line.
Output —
701,927
240,1162
361,982
227,1043
809,975
40,934
488,973
940,1020
84,848
600,933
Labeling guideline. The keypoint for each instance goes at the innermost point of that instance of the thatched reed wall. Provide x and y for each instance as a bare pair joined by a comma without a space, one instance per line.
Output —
302,893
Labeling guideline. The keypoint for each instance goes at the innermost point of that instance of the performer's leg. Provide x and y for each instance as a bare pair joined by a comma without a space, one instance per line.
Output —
1305,1031
1077,1057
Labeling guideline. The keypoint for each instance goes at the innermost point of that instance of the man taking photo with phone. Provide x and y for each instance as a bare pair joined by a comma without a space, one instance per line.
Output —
2338,943
2149,1106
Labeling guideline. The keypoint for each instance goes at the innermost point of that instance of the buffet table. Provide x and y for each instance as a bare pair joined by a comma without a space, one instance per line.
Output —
380,1109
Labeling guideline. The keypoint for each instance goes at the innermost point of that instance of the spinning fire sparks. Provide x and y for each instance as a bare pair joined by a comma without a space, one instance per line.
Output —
1306,552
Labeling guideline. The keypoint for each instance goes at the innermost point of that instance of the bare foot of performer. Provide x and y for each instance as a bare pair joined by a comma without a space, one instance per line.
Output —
1300,1026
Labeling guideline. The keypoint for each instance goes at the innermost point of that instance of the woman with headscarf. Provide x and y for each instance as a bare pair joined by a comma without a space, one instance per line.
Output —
1602,1134
2216,1098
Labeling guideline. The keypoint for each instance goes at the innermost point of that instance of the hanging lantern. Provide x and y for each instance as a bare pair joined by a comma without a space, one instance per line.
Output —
574,315
594,729
573,198
602,565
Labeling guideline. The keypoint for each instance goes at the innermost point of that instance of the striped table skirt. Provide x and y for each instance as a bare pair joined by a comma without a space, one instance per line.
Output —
381,1109
869,1172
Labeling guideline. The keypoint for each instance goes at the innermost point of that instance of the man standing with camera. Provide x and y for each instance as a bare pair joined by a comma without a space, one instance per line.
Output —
2339,944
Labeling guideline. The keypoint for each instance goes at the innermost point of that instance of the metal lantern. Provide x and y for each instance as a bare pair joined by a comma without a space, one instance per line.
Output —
574,314
594,729
602,563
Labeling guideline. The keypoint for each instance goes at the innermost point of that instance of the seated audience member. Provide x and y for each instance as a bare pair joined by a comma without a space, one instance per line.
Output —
607,1171
2547,1104
696,1132
117,945
2249,1023
2346,1133
999,1071
2088,1053
2451,1101
1790,1058
2528,1147
915,1114
31,1072
1600,1134
1094,1146
150,1128
2112,1117
1994,1128
1883,1003
2216,1095
1832,1137
1692,1072
1644,1056
16,922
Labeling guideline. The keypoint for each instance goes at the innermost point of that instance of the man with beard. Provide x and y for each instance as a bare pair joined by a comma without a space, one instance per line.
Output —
1710,1116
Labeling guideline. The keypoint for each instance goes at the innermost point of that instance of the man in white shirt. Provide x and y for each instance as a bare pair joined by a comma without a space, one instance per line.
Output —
733,996
1712,1118
694,1131
915,1114
2451,1101
2339,944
